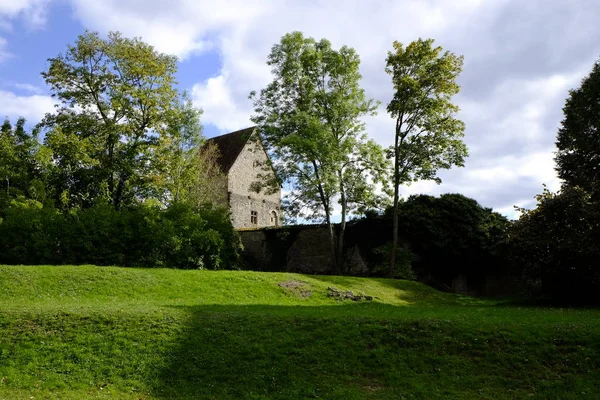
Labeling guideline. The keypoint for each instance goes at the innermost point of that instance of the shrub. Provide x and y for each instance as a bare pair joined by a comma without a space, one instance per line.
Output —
448,236
556,245
404,260
141,236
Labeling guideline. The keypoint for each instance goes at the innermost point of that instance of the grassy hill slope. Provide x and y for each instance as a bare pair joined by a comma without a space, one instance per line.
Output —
100,332
89,285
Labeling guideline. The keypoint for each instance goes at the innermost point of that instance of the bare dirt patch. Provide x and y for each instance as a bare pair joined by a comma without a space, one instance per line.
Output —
293,284
297,287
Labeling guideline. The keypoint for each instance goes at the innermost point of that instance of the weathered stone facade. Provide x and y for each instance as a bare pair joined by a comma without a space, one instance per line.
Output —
243,158
242,208
302,248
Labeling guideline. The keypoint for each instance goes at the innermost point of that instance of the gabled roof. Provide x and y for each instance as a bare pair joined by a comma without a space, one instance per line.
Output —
230,146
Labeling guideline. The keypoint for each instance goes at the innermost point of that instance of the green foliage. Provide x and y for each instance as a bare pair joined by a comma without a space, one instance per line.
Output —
453,235
404,261
145,236
89,332
123,178
557,246
443,237
119,112
310,121
427,135
578,137
23,163
190,172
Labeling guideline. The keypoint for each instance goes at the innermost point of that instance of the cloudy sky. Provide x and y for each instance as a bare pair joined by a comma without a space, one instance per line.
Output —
521,58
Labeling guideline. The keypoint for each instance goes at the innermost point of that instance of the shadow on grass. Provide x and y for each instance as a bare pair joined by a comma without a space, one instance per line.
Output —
362,351
251,352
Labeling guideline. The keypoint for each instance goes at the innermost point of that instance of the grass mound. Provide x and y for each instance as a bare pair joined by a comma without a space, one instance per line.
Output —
62,286
99,332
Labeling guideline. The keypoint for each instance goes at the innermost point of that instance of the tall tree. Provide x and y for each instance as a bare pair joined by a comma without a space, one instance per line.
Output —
117,102
557,243
427,135
578,140
309,119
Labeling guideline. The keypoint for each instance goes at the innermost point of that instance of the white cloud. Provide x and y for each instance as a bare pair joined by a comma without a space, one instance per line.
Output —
4,53
219,106
27,87
182,28
242,31
503,182
517,70
33,108
244,48
33,12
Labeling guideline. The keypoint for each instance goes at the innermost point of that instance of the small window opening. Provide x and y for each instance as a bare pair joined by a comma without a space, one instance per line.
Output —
254,217
274,219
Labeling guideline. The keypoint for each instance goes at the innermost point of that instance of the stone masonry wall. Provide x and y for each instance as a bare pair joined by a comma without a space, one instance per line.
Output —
302,249
243,201
241,207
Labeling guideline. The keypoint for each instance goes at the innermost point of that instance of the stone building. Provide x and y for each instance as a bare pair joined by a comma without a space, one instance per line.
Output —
243,158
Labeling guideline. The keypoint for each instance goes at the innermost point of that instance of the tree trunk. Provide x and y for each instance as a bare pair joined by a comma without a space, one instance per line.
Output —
110,167
340,245
118,197
179,172
394,235
332,244
396,179
340,249
325,203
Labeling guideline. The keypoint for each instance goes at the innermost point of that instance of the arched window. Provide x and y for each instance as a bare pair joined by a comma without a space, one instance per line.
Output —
274,219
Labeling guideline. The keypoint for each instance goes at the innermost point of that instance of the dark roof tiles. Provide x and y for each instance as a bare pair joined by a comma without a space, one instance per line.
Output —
230,146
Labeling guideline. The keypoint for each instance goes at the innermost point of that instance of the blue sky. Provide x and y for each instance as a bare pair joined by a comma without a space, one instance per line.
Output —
521,58
28,45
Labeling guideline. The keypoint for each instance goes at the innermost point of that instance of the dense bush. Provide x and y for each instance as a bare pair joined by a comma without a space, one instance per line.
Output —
405,258
141,235
443,236
453,235
557,245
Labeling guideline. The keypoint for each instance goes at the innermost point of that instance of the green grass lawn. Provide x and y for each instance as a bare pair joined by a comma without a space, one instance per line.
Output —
102,332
